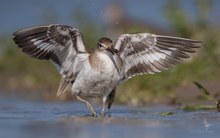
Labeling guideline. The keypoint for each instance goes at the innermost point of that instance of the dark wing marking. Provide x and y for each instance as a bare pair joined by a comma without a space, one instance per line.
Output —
55,42
59,43
146,53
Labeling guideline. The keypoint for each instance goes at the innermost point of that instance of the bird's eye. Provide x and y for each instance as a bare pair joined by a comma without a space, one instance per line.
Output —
100,45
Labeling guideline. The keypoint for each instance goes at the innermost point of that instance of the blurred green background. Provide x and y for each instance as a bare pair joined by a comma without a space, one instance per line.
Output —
29,78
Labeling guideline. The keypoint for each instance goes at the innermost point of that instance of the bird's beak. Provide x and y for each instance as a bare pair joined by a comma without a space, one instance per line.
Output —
110,49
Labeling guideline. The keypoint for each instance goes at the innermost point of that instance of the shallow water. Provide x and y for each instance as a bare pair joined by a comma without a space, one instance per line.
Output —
67,120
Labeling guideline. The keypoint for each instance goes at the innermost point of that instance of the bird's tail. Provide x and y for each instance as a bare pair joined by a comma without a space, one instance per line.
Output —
63,86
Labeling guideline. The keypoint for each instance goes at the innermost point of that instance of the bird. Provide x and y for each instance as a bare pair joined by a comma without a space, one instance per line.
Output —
98,71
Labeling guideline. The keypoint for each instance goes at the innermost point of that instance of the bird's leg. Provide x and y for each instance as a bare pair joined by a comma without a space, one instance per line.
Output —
103,106
87,104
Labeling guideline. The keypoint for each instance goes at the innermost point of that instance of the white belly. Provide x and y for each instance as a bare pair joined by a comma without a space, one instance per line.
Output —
93,82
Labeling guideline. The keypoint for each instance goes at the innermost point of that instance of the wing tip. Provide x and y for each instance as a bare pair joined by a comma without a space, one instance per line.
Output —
178,38
30,30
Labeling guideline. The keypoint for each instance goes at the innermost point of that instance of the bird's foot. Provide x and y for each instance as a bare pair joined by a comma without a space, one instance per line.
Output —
94,114
103,114
88,105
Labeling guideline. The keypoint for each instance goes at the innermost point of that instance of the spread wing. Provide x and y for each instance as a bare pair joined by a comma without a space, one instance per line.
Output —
146,53
58,43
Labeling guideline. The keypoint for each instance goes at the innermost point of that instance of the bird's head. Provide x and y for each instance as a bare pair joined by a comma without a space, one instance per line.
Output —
104,43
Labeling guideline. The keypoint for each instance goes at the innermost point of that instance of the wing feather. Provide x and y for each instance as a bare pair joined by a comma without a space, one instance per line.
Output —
146,53
47,42
59,43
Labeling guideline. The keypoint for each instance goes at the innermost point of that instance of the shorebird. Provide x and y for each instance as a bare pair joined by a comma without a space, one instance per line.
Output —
97,72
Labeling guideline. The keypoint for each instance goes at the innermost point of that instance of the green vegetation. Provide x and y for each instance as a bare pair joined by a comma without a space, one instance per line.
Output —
206,96
204,66
198,107
18,71
163,114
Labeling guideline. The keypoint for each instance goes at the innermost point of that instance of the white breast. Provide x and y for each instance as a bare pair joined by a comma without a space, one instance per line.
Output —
105,62
99,81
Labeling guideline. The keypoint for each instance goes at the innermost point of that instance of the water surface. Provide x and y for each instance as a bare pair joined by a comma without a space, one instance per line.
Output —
22,119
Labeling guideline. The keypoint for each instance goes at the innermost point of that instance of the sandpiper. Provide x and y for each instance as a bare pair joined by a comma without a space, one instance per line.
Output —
97,72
